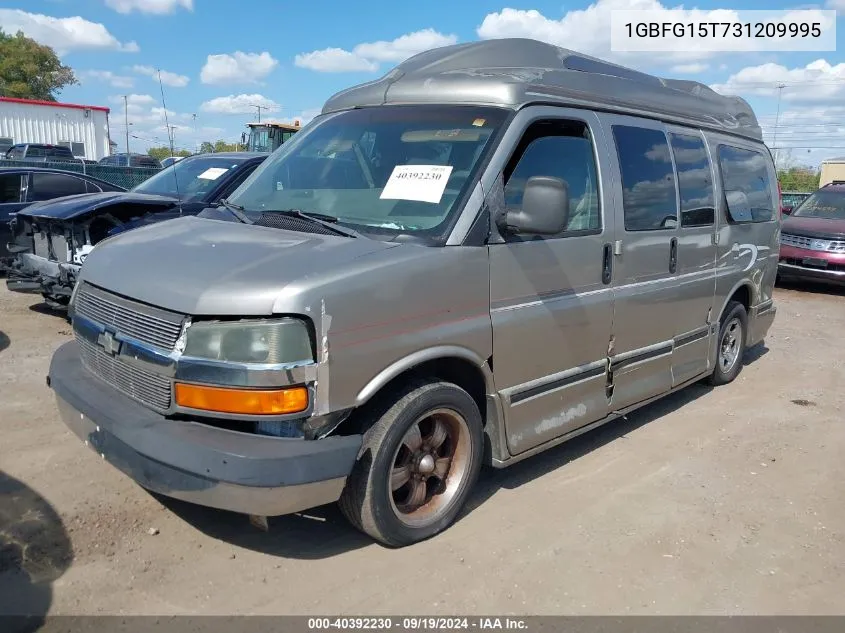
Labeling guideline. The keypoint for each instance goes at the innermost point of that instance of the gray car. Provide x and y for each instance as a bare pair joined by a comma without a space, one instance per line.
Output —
493,248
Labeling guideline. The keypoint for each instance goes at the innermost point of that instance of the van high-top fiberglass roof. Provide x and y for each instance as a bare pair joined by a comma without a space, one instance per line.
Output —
517,72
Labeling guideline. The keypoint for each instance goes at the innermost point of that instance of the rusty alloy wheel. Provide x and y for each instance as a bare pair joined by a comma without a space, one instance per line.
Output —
430,466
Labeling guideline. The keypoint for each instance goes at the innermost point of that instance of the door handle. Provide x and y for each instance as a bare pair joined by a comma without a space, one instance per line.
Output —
673,255
607,264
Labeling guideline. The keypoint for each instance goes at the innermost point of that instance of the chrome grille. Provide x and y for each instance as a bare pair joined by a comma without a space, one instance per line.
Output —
143,323
812,243
145,387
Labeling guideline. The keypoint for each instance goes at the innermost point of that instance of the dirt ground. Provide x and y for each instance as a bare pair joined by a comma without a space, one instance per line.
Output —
725,501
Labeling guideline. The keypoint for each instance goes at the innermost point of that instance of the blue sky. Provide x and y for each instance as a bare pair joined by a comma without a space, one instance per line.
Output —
219,58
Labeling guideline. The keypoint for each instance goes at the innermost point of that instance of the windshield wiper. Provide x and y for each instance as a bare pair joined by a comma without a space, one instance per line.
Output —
236,210
324,220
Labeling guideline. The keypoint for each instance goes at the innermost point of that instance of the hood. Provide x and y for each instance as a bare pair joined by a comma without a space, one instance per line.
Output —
205,267
70,207
814,227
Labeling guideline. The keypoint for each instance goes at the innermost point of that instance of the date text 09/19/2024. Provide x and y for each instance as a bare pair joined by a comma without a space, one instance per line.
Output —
416,623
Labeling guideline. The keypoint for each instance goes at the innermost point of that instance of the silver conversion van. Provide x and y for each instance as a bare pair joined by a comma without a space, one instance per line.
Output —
493,248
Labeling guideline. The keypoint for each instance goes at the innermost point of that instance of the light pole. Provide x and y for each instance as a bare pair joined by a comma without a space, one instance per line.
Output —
777,122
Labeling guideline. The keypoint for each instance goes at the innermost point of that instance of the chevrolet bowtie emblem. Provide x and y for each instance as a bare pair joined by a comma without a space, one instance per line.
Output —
109,343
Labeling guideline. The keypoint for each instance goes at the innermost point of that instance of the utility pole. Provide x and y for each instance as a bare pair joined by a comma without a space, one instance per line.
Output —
171,136
126,121
259,110
781,86
196,140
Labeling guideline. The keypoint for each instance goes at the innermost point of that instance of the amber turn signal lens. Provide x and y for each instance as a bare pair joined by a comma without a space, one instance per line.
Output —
246,401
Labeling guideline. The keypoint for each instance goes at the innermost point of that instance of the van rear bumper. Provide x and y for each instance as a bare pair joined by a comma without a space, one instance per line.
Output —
188,460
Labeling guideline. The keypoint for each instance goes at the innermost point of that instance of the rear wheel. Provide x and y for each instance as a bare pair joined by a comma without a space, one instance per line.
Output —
417,465
733,330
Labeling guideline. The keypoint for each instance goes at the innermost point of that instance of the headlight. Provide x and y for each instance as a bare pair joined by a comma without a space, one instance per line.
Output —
274,342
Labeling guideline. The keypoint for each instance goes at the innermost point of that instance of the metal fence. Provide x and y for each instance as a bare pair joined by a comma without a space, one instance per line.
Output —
126,177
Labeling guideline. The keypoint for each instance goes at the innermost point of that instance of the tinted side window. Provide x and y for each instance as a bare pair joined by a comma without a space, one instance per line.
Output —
35,152
16,152
10,188
748,191
648,181
564,150
49,186
695,180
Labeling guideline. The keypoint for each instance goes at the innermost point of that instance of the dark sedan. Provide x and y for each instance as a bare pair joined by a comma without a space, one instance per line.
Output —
52,239
23,186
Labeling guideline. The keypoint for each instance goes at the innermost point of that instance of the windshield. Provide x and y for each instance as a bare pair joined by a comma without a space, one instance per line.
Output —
823,204
195,177
386,169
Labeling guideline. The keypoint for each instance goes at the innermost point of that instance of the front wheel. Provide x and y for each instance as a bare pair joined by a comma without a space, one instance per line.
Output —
732,336
417,465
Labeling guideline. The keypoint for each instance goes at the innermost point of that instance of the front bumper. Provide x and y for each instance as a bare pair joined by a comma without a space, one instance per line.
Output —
34,274
192,461
801,263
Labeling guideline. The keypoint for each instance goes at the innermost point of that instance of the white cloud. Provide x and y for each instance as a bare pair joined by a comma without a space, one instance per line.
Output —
405,46
689,69
366,57
156,7
587,30
836,5
167,78
107,76
240,104
334,60
63,34
818,82
237,68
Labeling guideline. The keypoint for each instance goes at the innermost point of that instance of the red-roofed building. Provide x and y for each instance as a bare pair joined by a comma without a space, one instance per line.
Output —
83,128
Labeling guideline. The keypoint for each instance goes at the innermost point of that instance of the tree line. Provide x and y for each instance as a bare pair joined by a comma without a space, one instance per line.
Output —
206,147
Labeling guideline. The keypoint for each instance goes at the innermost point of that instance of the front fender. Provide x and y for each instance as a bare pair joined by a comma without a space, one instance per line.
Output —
418,358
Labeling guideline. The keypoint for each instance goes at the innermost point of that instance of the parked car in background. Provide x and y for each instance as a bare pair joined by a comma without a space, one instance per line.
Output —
134,160
167,162
23,186
791,200
495,247
39,152
52,238
812,240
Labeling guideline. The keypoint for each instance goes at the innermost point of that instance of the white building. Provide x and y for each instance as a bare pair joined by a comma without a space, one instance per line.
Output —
83,128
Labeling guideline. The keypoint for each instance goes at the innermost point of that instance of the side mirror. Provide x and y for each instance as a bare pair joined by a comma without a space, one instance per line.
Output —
738,206
545,208
243,138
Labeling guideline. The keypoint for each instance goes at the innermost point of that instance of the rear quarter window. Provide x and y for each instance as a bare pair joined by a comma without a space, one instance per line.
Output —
747,184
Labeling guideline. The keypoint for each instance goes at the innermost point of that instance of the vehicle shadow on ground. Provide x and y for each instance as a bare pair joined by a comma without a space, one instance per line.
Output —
812,287
35,550
317,533
323,532
49,310
4,341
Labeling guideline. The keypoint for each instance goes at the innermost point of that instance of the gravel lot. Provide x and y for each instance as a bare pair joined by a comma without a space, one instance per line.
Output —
726,501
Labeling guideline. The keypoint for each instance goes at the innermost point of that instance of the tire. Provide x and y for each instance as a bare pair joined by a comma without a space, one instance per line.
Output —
447,422
732,327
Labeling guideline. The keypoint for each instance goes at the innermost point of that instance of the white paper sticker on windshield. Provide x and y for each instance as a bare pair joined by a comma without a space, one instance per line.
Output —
423,183
213,173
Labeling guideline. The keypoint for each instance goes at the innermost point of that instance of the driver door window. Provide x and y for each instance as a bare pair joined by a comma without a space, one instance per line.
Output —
563,150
